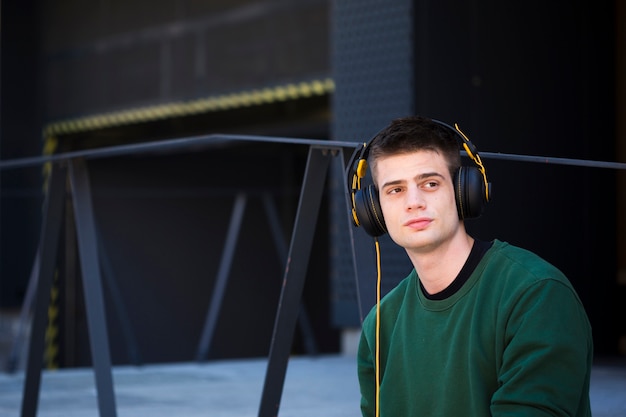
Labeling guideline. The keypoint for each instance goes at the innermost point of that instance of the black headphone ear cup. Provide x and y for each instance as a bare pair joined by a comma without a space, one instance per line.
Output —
368,211
470,192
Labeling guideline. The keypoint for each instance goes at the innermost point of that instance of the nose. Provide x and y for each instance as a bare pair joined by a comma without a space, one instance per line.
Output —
415,198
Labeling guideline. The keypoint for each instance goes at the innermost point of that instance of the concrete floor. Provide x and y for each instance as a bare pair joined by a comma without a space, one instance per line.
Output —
314,386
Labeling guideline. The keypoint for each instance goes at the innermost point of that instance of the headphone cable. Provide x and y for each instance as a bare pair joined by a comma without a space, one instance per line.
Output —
378,280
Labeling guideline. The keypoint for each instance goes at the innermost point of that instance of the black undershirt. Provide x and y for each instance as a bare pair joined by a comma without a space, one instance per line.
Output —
476,254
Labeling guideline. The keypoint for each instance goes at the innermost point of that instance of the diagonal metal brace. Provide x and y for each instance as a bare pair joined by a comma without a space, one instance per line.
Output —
50,233
294,277
92,285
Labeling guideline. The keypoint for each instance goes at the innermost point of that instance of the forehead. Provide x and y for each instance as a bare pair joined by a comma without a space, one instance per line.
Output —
405,166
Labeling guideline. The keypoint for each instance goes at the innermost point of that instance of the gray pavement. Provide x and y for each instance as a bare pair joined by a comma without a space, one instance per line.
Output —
314,386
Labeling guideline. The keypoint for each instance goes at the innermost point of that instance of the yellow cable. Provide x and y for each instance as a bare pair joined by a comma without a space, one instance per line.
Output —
378,269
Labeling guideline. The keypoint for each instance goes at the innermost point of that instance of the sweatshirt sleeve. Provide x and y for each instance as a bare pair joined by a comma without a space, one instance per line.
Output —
547,354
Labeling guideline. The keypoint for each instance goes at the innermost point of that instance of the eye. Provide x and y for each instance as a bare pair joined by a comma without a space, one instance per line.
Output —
394,190
430,185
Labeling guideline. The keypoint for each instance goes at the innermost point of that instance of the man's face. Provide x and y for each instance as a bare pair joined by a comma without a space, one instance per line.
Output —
417,199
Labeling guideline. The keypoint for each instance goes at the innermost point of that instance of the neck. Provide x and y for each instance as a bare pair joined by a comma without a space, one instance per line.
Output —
439,266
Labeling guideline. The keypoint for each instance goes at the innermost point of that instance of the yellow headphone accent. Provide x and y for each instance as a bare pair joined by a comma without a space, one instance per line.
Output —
471,152
359,174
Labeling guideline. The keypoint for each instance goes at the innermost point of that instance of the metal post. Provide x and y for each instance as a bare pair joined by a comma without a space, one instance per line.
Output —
50,230
108,279
92,285
293,281
281,246
27,306
222,277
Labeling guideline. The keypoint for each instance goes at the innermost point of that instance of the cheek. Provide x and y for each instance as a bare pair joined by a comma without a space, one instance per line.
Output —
385,207
390,214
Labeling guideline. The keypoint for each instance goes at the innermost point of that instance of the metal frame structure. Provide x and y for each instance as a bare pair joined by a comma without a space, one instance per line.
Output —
72,166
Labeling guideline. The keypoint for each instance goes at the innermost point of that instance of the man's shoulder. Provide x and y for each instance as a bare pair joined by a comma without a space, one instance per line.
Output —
505,259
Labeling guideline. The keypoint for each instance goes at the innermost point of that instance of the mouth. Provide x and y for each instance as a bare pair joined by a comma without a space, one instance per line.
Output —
419,223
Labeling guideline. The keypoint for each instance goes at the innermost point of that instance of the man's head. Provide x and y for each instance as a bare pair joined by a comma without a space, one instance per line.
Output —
408,136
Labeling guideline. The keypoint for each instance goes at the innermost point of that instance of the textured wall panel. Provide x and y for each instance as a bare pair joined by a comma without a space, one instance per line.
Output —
373,73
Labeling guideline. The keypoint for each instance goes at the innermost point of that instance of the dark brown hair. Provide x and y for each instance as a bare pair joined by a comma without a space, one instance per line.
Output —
412,134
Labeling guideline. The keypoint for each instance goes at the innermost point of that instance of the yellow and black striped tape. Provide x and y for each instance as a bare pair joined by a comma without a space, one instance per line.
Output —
51,352
230,101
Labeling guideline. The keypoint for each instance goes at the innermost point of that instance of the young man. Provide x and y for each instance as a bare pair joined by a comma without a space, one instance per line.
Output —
477,328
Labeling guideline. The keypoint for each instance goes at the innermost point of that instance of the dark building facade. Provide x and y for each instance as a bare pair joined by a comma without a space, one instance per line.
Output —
81,76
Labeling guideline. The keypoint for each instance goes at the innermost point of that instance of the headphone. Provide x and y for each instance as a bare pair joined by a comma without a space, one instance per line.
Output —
472,189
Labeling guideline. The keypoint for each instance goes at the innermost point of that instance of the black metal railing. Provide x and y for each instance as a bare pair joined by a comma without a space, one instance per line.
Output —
72,166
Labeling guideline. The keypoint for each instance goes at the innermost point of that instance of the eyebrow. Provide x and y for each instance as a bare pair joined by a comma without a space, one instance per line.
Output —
419,177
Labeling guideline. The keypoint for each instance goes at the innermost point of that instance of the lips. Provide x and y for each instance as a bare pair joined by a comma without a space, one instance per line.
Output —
419,223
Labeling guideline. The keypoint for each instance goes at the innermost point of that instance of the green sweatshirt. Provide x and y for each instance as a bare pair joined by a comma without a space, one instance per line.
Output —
514,340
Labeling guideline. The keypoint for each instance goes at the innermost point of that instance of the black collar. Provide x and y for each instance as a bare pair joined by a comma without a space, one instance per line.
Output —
478,251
